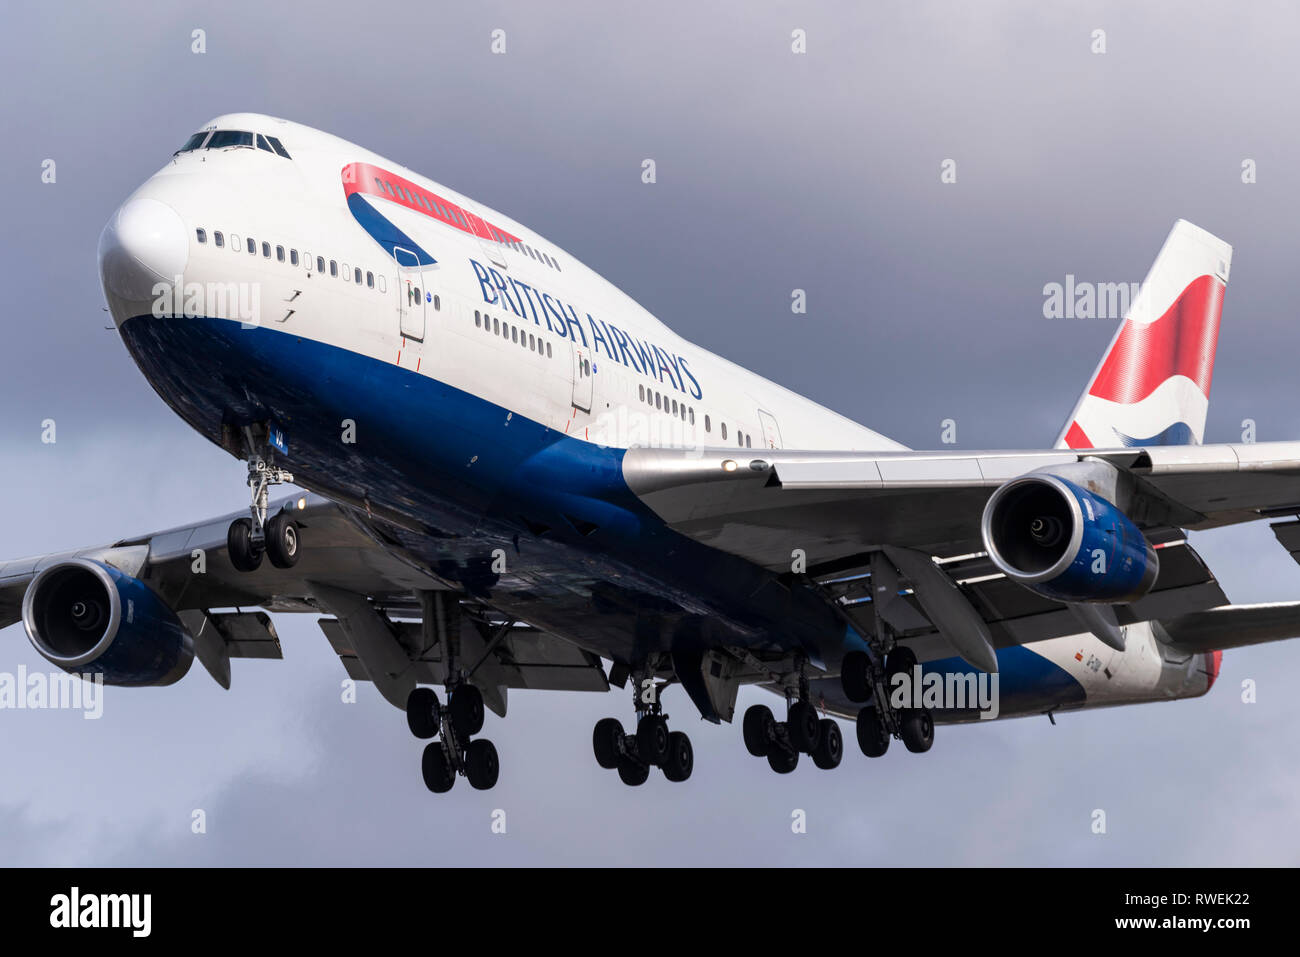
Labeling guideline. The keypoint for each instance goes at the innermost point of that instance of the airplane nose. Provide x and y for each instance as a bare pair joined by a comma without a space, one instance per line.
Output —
143,244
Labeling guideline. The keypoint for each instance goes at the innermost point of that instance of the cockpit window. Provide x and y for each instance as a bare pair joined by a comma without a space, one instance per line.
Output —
222,139
278,147
193,143
262,144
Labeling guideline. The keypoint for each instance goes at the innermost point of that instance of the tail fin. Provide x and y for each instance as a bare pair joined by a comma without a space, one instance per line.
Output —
1153,384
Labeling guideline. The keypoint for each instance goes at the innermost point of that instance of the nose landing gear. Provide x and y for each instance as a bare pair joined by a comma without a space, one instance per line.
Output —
248,539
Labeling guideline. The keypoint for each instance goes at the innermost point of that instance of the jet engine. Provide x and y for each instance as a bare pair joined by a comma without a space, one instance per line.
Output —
1066,543
91,618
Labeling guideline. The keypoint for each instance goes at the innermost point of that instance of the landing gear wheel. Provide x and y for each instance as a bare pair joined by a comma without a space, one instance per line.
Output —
900,661
282,542
782,760
244,555
801,722
652,740
830,746
760,730
917,729
605,741
438,775
855,676
466,711
632,772
680,761
423,713
481,765
873,739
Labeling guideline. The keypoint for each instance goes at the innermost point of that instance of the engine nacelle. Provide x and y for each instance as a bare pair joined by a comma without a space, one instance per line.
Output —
1064,542
91,618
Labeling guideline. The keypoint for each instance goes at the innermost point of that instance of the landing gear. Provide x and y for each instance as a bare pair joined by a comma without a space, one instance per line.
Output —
455,753
879,720
248,539
802,732
652,745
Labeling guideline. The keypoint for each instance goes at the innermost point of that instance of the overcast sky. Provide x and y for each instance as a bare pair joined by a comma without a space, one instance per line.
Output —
776,172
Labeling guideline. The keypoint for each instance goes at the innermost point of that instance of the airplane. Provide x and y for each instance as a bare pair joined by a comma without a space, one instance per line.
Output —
512,474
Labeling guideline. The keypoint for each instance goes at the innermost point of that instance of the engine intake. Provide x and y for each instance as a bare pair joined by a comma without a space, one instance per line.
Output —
1064,542
88,617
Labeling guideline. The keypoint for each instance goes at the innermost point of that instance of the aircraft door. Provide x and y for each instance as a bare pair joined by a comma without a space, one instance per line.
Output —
411,294
583,378
771,431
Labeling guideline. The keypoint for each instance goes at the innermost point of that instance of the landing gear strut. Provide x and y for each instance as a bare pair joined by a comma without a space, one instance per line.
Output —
864,681
456,751
248,539
651,745
801,732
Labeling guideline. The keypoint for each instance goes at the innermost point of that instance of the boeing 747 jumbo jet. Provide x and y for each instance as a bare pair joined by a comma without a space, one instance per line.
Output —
517,475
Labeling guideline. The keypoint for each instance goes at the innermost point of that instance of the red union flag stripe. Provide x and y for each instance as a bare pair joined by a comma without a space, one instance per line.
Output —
1076,438
1181,342
375,181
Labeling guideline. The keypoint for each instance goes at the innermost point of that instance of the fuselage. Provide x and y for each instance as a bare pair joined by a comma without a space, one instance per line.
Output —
470,389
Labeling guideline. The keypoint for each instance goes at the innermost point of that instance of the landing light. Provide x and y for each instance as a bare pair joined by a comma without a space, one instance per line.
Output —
729,466
302,503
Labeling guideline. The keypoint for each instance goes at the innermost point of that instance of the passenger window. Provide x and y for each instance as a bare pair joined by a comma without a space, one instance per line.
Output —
532,343
370,280
548,350
320,263
674,406
641,391
514,333
692,416
496,326
235,244
478,320
252,246
346,271
306,261
279,254
748,444
724,429
293,257
218,239
266,250
202,235
708,426
383,286
356,275
334,268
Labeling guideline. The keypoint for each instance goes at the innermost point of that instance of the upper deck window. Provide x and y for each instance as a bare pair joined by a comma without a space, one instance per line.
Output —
223,139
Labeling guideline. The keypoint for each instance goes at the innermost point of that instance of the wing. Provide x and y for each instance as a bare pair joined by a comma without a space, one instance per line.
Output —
351,573
825,514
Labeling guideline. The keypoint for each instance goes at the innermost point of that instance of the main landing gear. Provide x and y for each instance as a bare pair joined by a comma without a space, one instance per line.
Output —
802,732
248,539
864,681
652,744
456,751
